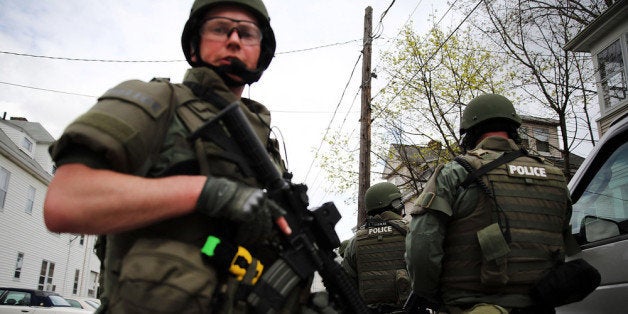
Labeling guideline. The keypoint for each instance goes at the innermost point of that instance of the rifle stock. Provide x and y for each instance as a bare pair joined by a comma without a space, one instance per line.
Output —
310,246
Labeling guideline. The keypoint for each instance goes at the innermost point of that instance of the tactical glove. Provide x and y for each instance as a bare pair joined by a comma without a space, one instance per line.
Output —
319,303
247,206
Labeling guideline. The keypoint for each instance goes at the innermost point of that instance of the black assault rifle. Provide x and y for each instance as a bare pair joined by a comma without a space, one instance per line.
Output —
309,248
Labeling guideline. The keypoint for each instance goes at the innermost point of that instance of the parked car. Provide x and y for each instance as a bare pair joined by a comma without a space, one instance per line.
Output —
599,190
90,304
19,300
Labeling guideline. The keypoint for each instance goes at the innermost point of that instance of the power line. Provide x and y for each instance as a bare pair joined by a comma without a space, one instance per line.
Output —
92,96
48,90
428,60
437,23
305,111
318,47
377,32
380,27
340,128
88,60
160,61
335,111
381,18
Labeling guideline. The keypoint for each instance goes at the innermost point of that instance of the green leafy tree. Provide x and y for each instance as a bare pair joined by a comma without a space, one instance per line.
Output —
415,117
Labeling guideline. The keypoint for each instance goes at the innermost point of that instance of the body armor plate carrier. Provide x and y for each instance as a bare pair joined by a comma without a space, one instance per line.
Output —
381,268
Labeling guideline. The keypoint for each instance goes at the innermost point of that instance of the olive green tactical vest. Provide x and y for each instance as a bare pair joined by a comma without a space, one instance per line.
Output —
533,197
381,267
142,128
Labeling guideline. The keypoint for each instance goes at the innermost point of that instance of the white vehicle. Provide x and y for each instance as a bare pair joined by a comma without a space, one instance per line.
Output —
19,300
90,304
599,191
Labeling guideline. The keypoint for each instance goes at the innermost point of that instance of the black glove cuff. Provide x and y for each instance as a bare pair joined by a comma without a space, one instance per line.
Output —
216,193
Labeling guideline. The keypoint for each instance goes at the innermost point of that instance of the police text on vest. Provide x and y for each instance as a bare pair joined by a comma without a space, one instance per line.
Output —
527,171
385,229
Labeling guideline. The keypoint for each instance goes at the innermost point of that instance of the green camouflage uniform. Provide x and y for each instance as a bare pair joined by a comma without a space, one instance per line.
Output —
445,259
141,128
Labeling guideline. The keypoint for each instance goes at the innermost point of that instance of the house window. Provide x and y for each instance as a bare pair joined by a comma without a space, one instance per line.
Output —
541,137
30,200
81,239
612,74
76,281
27,144
93,279
525,138
45,276
18,265
5,175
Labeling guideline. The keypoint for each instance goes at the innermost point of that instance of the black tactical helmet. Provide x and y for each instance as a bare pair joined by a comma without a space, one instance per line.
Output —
382,195
486,107
190,38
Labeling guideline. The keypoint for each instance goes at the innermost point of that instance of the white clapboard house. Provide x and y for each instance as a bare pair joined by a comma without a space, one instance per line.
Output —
30,255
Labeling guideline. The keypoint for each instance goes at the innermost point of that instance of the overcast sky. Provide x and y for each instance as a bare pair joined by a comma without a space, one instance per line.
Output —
318,45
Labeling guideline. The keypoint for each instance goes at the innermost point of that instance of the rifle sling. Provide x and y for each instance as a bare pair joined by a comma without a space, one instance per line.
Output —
504,158
212,131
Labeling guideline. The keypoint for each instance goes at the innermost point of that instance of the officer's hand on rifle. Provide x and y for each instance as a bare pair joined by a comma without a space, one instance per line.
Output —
319,303
245,205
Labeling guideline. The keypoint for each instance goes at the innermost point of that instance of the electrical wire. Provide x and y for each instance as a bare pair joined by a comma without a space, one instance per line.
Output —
161,61
378,32
88,60
422,42
334,115
319,47
48,90
428,60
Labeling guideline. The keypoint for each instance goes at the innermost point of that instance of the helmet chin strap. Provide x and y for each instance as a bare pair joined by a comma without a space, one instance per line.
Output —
237,68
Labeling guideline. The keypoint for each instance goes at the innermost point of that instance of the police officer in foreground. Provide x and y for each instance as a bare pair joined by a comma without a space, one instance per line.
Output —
479,240
374,256
128,169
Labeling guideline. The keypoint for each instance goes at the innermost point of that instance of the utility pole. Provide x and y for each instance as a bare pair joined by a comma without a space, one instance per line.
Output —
364,179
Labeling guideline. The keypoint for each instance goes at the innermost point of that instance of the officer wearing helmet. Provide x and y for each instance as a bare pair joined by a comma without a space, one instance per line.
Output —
374,256
489,229
128,170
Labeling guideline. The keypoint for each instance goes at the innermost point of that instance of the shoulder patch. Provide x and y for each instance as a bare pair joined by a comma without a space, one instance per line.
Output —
425,199
143,94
